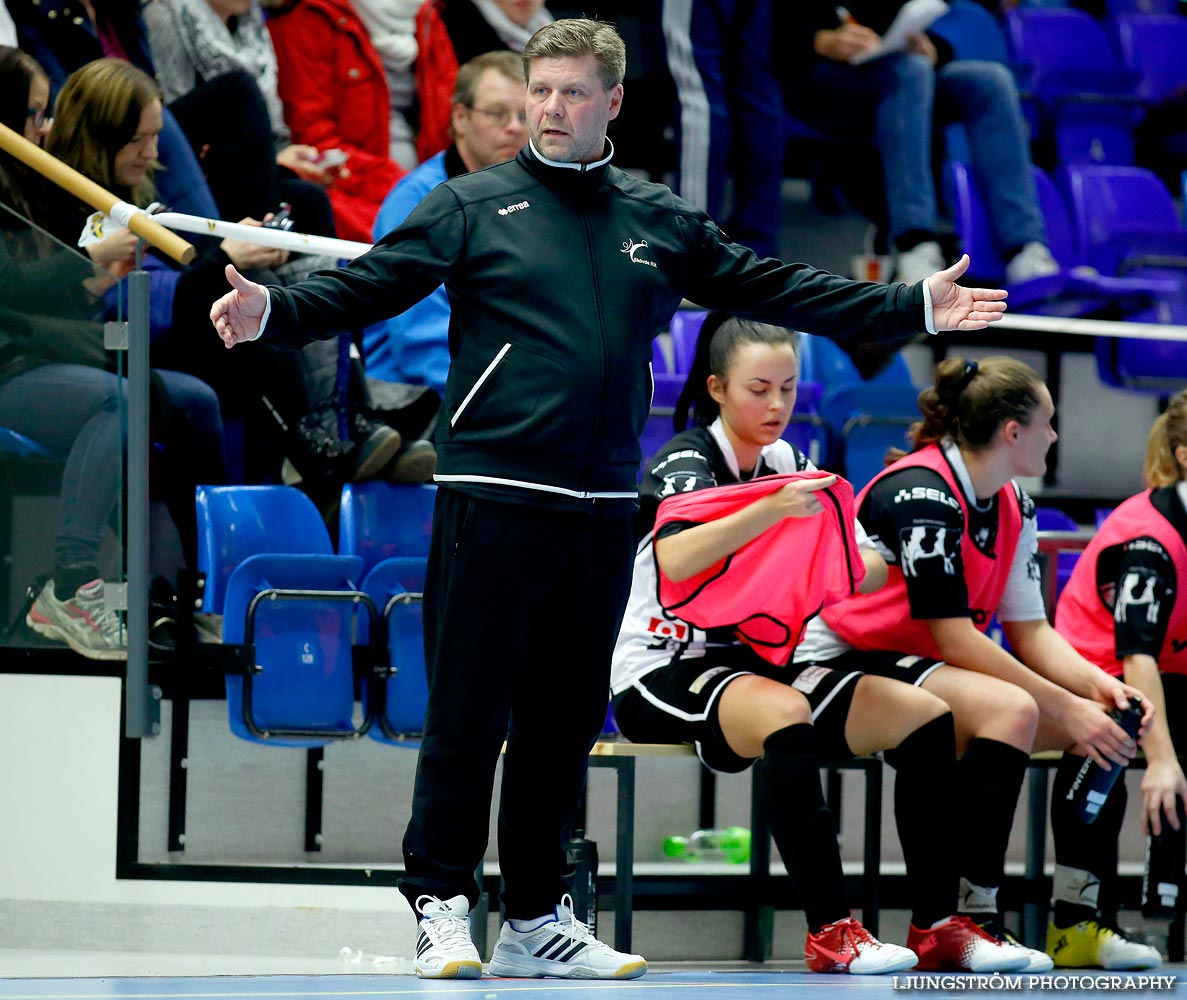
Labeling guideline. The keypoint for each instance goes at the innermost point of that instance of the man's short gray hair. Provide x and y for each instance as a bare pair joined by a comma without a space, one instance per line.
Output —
580,36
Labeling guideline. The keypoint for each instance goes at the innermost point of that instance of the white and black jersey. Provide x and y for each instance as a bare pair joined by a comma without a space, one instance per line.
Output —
915,523
1138,581
694,459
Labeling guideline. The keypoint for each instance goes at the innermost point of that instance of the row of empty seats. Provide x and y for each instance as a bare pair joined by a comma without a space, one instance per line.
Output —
321,626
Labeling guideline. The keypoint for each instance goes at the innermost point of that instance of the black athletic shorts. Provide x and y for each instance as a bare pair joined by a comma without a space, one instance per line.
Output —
909,669
678,703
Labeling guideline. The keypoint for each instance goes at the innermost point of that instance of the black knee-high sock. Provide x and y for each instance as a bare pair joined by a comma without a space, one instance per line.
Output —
989,780
802,825
1085,853
924,782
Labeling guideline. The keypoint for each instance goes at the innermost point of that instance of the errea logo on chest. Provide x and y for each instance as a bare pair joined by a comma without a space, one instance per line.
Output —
634,249
518,207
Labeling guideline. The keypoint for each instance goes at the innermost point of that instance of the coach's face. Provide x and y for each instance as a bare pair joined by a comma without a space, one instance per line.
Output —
569,108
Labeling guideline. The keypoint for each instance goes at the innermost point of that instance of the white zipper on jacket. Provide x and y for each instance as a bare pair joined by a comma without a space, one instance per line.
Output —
478,385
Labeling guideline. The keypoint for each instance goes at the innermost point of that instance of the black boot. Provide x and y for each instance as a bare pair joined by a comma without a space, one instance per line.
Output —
376,444
317,451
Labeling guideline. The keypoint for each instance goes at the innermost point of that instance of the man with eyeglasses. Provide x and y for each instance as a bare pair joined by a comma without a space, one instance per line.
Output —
488,125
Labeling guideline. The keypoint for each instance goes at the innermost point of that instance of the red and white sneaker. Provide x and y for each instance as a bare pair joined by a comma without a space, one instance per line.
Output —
959,945
846,946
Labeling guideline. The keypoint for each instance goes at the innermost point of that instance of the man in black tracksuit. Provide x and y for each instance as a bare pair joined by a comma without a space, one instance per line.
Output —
560,269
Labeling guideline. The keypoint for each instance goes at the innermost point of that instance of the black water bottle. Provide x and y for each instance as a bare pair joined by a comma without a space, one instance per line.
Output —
1093,783
1166,857
583,856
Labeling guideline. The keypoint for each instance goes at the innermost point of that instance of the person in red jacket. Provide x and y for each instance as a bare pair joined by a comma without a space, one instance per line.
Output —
960,538
1123,610
335,96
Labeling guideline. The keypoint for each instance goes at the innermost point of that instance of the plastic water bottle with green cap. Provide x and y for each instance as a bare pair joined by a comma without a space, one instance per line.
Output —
730,843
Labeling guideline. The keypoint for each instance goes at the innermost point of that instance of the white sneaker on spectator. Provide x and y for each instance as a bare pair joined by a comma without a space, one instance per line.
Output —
444,948
84,621
1034,260
921,261
562,946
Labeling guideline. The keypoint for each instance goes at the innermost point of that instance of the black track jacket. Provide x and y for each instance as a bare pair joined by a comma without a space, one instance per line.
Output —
559,276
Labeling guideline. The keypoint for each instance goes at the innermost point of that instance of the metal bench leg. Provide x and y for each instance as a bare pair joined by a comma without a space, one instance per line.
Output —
1034,909
179,740
872,856
759,924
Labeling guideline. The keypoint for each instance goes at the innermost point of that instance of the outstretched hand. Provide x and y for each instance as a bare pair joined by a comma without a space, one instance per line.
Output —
958,308
236,316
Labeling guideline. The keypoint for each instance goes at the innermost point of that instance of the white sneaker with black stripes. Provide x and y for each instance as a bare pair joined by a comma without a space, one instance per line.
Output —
561,947
444,948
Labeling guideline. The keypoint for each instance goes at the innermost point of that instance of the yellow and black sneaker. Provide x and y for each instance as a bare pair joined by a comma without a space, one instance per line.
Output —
1098,944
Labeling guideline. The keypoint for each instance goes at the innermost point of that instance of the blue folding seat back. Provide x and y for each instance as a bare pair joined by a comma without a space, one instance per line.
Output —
1117,8
401,709
866,440
378,520
972,31
667,391
1086,95
236,522
656,433
303,646
1156,46
685,328
1117,211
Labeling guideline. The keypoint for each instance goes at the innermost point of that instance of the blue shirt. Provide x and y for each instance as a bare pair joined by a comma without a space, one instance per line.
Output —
414,346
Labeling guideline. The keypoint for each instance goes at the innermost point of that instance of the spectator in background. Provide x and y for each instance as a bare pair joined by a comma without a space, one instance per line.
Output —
109,116
420,65
899,98
63,35
335,97
196,44
730,116
58,387
477,26
488,126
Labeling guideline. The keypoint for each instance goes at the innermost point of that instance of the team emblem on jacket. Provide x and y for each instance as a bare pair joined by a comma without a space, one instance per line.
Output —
632,248
519,206
923,542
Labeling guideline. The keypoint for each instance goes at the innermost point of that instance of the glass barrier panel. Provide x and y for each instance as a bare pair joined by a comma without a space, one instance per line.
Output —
63,418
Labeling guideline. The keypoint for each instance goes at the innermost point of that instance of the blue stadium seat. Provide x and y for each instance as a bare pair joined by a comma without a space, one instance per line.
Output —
685,328
389,526
1127,225
1074,291
378,520
396,586
271,573
1086,97
1155,45
865,417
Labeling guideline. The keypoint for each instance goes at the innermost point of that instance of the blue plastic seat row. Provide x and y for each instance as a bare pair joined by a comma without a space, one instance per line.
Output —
308,614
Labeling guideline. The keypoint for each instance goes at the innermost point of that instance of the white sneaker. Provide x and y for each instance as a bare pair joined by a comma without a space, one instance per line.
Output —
1034,260
1039,961
561,947
444,949
921,261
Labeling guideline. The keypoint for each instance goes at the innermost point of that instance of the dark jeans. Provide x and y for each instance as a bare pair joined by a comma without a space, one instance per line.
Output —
522,608
74,410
